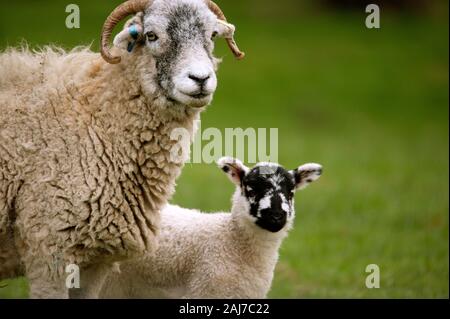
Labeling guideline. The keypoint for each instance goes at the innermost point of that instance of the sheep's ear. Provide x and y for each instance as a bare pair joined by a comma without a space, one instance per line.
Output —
234,169
225,29
306,174
131,34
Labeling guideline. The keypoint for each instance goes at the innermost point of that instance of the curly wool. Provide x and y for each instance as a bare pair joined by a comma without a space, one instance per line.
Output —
85,159
200,255
222,255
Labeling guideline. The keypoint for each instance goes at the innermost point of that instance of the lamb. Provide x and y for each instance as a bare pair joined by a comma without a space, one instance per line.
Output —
221,255
87,155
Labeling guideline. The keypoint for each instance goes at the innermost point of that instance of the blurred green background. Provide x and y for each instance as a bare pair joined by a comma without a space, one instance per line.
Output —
371,105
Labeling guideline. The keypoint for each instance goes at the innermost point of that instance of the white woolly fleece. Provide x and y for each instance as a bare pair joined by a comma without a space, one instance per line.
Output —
201,255
85,157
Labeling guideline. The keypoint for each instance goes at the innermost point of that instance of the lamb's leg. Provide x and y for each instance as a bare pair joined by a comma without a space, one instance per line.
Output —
221,286
121,285
92,279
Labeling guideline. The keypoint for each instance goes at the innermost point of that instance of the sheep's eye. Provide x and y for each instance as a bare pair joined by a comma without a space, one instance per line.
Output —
214,35
151,36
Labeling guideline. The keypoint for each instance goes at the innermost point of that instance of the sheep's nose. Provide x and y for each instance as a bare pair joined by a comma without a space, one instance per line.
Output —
199,79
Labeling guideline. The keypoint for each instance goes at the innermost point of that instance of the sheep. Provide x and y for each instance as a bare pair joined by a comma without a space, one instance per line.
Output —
87,154
220,255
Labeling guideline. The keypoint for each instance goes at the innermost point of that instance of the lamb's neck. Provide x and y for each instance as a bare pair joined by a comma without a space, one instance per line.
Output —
255,243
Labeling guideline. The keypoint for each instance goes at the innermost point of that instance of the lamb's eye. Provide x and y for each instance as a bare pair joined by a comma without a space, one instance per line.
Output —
151,36
251,193
214,35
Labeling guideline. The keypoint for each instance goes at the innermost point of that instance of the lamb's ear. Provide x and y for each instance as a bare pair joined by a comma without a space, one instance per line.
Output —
306,174
131,34
234,169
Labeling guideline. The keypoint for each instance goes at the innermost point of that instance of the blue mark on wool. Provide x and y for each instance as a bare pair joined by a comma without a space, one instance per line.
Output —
133,32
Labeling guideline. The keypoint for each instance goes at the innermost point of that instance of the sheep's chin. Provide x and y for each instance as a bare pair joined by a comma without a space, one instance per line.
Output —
192,101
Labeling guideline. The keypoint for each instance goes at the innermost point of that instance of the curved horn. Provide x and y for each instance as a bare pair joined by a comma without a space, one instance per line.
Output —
118,14
230,41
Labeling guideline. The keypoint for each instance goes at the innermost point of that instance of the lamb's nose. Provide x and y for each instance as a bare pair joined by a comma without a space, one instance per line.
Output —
200,80
278,216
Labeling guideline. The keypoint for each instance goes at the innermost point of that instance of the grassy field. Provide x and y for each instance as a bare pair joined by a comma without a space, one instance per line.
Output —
370,105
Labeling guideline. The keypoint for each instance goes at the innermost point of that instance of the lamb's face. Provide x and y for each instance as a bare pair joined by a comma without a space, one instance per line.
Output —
269,190
179,35
266,192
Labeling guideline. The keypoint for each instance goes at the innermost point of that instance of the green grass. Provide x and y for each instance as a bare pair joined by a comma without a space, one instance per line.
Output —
370,105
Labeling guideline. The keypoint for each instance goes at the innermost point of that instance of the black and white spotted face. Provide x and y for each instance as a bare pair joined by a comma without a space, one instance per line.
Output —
268,189
179,37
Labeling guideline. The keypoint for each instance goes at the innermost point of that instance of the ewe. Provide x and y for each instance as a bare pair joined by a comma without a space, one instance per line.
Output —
222,255
85,142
